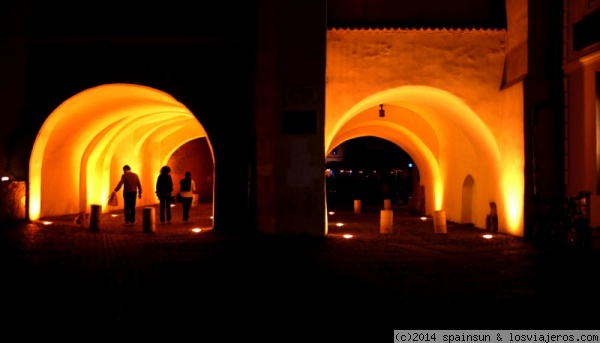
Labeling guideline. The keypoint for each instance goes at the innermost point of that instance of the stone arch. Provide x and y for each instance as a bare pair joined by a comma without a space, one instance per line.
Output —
407,141
79,152
444,137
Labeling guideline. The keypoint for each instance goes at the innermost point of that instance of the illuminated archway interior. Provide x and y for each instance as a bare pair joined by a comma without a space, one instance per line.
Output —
447,111
429,125
78,155
447,141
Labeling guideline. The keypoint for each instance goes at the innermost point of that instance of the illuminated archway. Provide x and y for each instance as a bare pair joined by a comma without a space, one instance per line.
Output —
445,138
79,152
444,104
407,140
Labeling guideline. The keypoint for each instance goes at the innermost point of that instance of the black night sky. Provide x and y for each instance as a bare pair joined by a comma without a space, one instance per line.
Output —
375,153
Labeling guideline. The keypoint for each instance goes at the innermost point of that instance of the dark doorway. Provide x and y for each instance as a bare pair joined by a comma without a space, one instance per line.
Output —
370,169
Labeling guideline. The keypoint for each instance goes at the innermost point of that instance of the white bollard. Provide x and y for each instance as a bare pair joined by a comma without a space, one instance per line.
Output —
357,204
387,221
439,221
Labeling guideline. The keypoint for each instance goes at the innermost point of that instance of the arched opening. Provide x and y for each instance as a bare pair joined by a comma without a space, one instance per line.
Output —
443,136
368,168
450,114
79,152
467,199
194,156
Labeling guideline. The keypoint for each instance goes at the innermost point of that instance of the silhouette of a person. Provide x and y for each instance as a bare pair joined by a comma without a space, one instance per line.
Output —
164,188
187,188
132,186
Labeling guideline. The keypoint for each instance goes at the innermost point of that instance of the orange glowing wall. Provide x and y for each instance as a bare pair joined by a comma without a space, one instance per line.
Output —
78,155
441,91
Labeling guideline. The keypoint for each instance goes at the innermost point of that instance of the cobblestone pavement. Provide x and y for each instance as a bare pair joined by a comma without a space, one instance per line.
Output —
121,278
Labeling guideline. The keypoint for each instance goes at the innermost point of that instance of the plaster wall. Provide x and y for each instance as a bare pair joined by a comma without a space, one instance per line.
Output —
582,126
468,64
517,19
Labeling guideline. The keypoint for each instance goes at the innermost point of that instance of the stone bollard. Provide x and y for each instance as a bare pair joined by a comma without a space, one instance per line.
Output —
387,204
357,205
149,220
387,221
95,212
439,221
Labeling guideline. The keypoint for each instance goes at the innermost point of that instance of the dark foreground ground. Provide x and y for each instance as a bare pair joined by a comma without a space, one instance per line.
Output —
121,280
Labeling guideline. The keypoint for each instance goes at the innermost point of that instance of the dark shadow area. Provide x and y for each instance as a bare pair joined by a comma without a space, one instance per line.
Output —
369,169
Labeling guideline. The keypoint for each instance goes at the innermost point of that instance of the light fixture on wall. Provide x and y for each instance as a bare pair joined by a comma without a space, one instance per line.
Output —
381,111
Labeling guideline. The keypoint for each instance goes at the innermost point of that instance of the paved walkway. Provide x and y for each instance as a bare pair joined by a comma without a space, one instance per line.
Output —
121,278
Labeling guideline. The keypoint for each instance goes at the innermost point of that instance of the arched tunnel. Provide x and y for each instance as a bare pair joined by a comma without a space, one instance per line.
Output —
79,152
457,155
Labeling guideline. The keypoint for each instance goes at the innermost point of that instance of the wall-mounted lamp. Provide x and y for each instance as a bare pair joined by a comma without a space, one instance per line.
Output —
381,111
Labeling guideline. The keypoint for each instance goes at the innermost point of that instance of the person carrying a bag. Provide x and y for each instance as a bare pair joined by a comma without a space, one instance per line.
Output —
187,188
132,187
164,188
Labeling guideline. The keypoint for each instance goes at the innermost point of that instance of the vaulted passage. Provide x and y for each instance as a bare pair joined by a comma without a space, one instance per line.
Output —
441,94
79,152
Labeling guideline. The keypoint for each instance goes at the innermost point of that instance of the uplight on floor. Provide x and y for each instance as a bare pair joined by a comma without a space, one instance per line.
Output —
487,236
339,224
